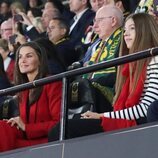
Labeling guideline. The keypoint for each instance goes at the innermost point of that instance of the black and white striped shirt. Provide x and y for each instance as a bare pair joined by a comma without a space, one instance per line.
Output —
149,95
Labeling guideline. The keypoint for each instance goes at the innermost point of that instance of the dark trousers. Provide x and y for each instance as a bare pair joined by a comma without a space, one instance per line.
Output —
77,128
152,114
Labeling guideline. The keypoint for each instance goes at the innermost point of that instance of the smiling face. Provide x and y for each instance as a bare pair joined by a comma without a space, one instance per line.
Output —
129,33
28,62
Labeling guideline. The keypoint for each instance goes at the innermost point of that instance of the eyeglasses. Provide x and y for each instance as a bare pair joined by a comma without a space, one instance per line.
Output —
7,29
97,20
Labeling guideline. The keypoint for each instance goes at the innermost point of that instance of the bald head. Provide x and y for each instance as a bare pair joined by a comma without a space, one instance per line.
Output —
108,19
113,11
6,29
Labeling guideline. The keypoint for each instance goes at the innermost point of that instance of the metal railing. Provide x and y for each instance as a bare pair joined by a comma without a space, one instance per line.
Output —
65,75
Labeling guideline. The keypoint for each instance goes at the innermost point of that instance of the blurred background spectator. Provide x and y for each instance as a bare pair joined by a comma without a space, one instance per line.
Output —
8,61
6,29
5,13
57,4
4,82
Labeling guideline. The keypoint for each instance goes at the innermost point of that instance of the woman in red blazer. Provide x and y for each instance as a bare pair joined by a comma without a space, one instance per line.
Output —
39,107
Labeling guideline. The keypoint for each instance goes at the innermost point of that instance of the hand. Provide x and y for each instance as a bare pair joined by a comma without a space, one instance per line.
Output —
20,38
17,121
26,19
91,115
11,47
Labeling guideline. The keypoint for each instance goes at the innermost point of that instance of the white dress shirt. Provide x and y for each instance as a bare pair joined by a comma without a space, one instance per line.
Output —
76,19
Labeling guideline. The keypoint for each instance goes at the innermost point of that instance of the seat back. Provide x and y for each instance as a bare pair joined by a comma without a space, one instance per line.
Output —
9,108
81,98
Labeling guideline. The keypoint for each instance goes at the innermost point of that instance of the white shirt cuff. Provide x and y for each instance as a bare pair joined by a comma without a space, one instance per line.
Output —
28,28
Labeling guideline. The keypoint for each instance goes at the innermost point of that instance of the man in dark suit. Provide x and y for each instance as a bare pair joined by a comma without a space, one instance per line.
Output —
5,13
58,31
82,19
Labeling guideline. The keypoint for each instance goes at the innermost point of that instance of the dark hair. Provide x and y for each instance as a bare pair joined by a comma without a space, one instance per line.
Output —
125,3
57,4
36,12
43,70
88,4
63,24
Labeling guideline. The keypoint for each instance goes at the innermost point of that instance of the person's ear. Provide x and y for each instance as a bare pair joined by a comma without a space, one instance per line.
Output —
63,31
118,4
113,21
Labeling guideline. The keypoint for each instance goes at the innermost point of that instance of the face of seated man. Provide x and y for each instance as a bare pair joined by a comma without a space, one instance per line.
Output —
55,31
6,29
107,21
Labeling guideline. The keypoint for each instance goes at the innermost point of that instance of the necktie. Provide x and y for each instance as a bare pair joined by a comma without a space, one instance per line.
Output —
90,50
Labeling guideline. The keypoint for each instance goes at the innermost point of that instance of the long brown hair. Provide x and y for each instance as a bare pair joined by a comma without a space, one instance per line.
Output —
43,70
146,37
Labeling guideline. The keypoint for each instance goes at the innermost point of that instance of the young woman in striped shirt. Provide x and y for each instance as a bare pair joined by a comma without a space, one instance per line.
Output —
136,86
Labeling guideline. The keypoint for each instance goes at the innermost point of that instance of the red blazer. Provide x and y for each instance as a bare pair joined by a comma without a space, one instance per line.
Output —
45,113
110,124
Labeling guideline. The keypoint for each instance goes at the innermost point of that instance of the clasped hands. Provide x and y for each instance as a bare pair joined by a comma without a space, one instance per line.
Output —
16,121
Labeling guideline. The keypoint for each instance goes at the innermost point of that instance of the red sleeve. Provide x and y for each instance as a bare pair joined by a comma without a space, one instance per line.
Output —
110,124
40,129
